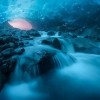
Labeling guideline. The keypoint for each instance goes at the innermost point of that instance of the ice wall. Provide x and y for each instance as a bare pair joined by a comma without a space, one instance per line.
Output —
35,8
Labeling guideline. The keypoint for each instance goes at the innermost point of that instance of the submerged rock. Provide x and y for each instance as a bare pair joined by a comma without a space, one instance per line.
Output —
7,53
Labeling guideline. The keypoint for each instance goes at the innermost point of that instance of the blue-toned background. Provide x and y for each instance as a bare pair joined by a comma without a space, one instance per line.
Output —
51,13
59,59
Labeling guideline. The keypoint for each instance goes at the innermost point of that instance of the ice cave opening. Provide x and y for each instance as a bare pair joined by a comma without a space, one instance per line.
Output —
21,24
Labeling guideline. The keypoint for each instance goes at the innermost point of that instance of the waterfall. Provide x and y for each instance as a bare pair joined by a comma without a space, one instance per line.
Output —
67,46
81,76
39,60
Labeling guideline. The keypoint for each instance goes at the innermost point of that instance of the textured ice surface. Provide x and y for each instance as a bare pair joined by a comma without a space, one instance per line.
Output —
40,9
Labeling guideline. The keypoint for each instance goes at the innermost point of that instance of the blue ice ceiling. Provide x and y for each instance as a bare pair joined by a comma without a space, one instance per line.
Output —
40,9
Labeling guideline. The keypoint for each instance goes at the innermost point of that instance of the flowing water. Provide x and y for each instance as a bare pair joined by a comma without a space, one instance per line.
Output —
46,72
82,76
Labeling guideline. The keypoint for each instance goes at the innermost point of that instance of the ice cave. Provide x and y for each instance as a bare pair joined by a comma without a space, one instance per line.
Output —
49,49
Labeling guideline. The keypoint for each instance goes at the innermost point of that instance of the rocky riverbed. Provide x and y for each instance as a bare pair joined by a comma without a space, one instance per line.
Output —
29,54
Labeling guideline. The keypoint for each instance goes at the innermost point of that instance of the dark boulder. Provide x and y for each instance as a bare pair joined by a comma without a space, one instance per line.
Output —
53,42
51,33
46,63
19,51
47,42
6,68
57,44
3,47
10,39
2,41
7,53
3,80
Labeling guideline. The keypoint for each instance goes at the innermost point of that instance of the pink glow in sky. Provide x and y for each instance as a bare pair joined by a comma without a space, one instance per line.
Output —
21,24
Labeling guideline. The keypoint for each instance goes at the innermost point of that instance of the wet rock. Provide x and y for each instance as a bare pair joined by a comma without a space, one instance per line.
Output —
87,36
25,36
46,63
98,38
57,44
7,53
33,62
3,47
6,68
67,34
47,42
7,64
2,80
51,33
33,33
73,36
53,42
10,39
1,41
19,51
8,45
21,44
60,33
